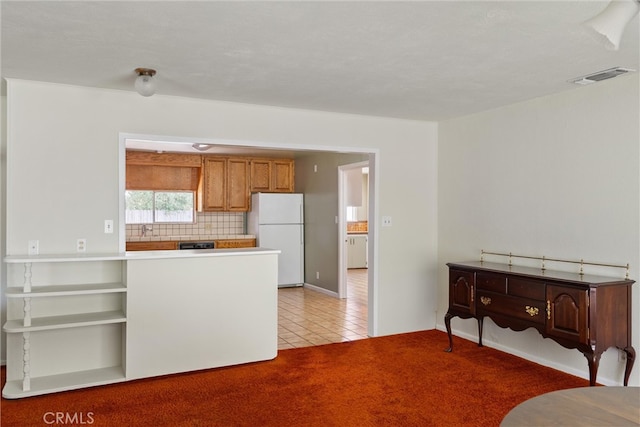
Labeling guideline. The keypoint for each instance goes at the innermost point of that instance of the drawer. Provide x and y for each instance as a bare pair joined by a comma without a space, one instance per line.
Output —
492,282
526,289
520,308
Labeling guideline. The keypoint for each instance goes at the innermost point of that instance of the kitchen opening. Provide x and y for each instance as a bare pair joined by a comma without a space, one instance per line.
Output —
260,196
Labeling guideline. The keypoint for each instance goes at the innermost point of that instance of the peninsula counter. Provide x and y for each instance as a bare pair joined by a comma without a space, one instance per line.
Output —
82,320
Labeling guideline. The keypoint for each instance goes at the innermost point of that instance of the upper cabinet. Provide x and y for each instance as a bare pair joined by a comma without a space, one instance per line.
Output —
226,184
214,184
162,171
272,175
223,183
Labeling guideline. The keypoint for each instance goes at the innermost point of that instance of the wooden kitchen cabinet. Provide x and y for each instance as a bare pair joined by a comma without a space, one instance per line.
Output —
272,175
261,175
152,246
226,184
214,184
583,312
162,171
235,243
146,158
238,195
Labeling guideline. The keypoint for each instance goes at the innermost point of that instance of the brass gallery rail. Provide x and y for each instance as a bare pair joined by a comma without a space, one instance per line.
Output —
543,259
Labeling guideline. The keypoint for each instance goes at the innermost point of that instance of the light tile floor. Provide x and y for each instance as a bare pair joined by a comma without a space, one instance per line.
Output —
307,318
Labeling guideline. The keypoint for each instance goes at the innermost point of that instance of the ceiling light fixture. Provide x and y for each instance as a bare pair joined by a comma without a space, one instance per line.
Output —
202,147
608,25
145,83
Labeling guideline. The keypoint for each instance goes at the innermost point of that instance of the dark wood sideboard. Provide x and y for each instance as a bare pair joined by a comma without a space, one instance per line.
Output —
588,313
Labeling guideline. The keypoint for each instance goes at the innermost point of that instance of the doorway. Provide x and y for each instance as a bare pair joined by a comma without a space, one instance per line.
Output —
322,243
353,222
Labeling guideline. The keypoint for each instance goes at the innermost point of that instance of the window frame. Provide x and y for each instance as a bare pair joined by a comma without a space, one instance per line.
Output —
153,208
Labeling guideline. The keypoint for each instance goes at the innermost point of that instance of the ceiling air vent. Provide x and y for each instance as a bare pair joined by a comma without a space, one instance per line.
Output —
601,75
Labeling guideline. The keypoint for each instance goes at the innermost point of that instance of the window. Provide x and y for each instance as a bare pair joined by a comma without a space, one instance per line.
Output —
352,213
148,207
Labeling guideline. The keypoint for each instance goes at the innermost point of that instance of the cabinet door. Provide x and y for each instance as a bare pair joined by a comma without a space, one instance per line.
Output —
461,291
215,175
151,246
357,252
237,185
260,176
567,315
235,243
282,176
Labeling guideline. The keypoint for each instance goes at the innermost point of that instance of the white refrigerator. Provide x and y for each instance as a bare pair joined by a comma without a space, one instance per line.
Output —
277,221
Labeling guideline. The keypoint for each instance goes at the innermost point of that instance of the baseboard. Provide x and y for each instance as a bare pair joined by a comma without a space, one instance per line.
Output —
321,290
539,360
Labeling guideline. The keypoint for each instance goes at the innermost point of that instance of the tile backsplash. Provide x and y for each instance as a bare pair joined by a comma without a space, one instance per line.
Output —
207,224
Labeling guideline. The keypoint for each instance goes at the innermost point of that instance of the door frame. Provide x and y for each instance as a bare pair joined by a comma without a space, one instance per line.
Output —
374,182
342,224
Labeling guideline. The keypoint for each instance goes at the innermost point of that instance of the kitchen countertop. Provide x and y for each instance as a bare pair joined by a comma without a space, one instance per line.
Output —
190,238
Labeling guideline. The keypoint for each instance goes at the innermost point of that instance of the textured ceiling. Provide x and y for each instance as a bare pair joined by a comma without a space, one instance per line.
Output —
428,60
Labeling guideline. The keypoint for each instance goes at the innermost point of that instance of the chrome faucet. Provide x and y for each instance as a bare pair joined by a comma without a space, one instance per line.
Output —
146,228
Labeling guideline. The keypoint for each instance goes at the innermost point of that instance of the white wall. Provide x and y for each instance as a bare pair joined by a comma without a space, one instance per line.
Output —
556,176
317,178
63,174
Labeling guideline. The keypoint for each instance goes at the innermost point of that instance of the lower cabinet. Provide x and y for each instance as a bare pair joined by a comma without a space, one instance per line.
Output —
235,243
357,251
172,245
152,246
587,313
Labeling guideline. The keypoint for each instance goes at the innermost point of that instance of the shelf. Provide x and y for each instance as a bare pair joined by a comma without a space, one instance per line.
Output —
68,321
77,257
65,290
63,382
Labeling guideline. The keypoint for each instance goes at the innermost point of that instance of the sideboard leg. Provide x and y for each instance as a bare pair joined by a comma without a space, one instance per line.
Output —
447,323
594,360
631,357
480,322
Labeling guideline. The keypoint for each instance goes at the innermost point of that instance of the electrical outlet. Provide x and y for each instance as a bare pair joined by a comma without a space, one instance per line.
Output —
108,226
208,226
81,245
386,221
317,275
34,247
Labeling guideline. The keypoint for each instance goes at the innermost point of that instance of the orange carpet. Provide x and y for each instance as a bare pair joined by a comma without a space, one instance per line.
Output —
398,380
